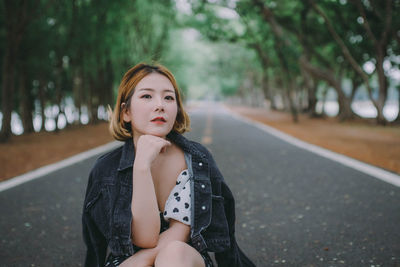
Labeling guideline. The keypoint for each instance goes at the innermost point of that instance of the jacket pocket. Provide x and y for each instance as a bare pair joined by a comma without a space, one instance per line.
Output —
217,233
92,201
99,209
97,190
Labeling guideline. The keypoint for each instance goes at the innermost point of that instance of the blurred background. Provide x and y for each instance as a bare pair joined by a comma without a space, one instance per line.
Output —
324,71
62,60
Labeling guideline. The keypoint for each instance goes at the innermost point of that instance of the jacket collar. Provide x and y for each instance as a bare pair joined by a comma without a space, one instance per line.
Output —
128,150
127,156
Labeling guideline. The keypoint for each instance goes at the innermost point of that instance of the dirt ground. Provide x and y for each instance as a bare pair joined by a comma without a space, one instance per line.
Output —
31,151
377,145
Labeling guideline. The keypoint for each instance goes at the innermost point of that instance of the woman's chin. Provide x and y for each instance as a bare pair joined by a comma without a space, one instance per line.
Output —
161,134
155,132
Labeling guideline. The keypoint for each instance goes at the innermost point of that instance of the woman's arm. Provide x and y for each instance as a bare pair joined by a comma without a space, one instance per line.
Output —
177,231
145,213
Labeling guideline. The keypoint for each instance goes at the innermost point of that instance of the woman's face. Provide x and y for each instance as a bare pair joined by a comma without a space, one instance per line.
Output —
153,106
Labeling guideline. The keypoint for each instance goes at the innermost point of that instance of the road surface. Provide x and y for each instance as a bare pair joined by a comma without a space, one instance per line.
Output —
294,208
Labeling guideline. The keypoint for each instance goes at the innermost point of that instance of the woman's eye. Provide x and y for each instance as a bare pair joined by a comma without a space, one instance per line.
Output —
168,97
146,96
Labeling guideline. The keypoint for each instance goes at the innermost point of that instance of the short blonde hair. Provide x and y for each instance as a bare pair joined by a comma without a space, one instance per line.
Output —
120,129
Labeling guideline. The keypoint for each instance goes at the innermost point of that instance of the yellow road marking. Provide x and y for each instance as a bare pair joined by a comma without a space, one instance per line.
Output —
207,139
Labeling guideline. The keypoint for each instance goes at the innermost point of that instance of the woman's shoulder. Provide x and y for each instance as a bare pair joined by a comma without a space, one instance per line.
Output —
200,147
188,145
212,164
102,170
108,161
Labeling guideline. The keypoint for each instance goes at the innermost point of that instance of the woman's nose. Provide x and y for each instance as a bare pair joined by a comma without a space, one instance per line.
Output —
159,105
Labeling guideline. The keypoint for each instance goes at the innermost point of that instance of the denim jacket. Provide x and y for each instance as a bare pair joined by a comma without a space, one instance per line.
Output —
107,213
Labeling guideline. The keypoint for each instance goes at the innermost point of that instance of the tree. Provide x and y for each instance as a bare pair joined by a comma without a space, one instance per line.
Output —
383,16
17,15
74,49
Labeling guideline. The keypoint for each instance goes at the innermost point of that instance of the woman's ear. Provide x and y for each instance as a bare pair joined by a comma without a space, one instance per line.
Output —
125,113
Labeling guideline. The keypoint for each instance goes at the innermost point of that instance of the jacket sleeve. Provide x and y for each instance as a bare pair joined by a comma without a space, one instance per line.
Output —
94,240
234,256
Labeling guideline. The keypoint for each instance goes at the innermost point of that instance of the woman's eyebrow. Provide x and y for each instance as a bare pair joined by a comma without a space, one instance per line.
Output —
151,89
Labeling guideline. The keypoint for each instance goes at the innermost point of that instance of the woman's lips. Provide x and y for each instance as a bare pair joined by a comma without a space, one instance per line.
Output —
159,120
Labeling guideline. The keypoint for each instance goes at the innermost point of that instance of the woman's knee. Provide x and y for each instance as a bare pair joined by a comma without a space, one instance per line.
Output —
178,253
177,246
174,249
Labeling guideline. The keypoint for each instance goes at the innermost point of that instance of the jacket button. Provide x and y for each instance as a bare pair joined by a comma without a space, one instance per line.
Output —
200,164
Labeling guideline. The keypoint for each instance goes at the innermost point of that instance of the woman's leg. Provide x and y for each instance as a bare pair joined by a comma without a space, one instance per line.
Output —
177,254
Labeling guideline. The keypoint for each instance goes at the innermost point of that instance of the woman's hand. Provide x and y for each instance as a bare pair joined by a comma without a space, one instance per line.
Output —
148,148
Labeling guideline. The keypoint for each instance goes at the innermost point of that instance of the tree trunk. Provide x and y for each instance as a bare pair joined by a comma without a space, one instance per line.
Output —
77,93
383,88
265,62
267,90
26,102
345,110
93,101
289,89
292,106
356,82
311,87
59,91
312,100
324,94
109,79
7,86
42,100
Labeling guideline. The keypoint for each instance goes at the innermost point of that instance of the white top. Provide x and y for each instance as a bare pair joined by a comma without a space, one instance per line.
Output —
178,204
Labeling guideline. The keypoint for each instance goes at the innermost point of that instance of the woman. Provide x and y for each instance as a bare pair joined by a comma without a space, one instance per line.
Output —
159,200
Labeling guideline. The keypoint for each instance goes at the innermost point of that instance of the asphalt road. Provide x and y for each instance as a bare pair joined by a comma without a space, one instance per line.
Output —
293,207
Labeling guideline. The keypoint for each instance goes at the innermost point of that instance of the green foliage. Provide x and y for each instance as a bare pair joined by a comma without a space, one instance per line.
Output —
81,48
